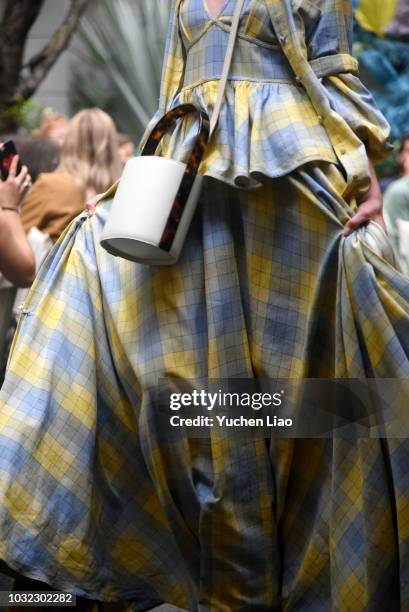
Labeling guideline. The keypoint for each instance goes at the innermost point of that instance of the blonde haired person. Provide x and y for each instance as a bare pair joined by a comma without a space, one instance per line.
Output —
89,163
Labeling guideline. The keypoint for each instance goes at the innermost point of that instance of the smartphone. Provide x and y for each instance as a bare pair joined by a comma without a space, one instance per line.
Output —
7,152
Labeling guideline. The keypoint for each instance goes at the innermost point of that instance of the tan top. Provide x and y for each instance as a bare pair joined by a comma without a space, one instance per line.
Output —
52,203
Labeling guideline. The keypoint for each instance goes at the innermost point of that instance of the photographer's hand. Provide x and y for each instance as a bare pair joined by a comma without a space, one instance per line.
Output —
13,189
17,261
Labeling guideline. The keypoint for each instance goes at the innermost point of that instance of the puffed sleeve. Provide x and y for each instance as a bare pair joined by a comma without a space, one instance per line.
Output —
328,28
352,100
172,69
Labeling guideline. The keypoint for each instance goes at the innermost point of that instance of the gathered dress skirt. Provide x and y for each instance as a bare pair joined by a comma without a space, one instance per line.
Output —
93,501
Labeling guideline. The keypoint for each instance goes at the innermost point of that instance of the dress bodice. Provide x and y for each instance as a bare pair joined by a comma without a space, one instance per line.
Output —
268,125
257,56
255,22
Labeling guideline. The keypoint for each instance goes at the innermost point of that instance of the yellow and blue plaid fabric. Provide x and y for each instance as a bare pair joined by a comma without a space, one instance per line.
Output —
94,499
269,124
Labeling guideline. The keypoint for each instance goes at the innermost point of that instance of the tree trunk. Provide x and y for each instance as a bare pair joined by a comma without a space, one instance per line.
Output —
18,81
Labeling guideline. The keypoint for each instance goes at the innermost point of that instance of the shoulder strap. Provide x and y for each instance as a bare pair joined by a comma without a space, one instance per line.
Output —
226,66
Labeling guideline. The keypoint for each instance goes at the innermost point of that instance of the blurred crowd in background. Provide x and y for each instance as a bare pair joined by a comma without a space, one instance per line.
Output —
63,163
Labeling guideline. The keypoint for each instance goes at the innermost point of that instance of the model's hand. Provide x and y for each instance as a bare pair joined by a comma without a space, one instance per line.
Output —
91,204
13,189
369,209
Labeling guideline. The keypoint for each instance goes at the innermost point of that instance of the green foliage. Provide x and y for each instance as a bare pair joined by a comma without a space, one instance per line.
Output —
11,116
23,113
32,115
120,61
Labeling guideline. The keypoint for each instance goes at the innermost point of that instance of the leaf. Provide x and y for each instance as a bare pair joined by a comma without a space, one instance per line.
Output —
119,60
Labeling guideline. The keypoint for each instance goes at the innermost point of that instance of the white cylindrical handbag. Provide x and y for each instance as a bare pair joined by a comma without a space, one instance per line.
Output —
156,197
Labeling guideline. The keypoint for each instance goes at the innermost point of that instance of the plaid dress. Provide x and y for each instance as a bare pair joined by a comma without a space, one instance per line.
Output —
93,497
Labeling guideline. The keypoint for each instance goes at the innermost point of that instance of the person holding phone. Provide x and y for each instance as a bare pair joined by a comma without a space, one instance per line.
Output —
16,257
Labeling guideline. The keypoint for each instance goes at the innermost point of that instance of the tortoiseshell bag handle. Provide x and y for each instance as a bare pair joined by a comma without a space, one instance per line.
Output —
161,128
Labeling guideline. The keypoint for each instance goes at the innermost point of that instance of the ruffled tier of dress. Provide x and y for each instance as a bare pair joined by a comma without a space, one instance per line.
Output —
267,129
